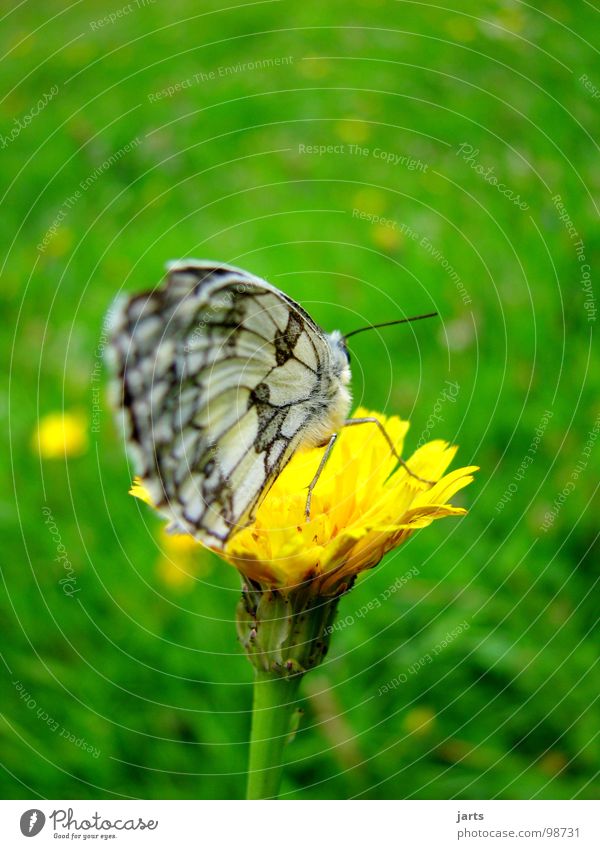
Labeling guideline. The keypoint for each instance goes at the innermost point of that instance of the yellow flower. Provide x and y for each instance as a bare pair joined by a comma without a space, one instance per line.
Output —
353,132
385,237
181,559
178,562
419,721
363,506
296,570
61,435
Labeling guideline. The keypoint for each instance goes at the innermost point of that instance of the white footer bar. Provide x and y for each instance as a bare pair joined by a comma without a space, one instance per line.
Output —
301,825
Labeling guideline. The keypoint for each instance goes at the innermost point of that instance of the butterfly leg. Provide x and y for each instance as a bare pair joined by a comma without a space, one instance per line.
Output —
386,436
313,483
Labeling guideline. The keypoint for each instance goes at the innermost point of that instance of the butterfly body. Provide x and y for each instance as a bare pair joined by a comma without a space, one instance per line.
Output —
220,378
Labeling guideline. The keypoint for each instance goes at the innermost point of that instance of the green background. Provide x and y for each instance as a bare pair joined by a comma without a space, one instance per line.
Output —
142,662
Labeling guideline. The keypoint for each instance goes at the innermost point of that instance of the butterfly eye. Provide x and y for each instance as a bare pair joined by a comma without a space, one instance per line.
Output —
344,347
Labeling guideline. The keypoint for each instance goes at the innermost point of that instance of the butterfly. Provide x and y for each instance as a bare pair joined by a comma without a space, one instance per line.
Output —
220,378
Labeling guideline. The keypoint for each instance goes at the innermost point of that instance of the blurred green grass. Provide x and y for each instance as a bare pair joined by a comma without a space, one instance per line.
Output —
143,663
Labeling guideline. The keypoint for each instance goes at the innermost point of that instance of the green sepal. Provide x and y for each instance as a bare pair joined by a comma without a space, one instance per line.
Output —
284,633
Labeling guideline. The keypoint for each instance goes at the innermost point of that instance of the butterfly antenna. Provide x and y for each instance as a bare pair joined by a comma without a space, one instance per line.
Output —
390,323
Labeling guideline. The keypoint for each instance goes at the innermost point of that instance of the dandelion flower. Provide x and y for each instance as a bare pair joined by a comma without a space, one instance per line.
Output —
363,506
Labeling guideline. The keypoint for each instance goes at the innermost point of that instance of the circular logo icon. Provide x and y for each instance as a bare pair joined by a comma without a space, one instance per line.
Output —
32,822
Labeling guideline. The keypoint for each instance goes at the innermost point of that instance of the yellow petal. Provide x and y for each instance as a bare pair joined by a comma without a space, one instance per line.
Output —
138,490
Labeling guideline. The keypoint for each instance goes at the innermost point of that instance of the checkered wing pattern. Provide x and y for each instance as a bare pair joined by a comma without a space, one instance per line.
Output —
219,378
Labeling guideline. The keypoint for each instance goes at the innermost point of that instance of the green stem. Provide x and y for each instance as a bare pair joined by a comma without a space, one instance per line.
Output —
272,707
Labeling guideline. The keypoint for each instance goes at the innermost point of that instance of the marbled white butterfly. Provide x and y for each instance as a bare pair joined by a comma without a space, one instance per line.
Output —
221,377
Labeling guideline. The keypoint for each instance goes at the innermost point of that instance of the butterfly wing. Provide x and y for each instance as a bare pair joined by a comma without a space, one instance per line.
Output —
220,376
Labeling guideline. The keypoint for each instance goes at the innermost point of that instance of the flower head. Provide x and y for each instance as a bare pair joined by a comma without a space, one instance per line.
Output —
364,505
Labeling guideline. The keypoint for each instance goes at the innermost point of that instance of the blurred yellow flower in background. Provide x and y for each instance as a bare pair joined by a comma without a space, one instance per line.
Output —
61,435
371,200
419,721
353,131
385,237
181,560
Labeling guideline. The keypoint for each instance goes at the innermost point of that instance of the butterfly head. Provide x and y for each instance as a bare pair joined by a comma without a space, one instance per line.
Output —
335,398
341,356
